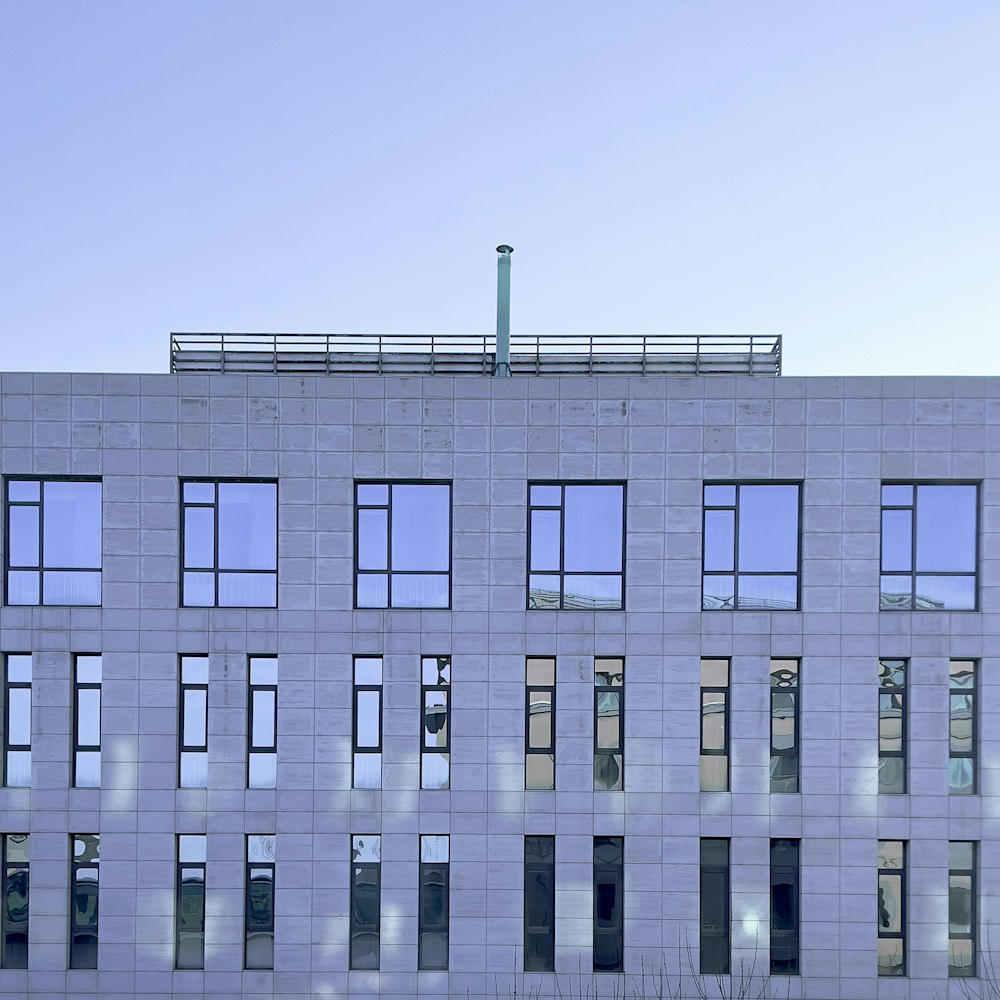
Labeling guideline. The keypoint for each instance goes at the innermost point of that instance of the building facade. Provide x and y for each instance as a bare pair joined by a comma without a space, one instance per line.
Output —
343,685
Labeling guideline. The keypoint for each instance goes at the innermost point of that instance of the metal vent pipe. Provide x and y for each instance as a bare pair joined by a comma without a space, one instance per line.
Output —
501,366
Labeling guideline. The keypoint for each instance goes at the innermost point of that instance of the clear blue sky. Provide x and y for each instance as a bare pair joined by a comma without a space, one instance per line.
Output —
829,171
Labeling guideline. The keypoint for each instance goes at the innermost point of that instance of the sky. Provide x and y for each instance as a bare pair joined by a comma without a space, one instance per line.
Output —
826,171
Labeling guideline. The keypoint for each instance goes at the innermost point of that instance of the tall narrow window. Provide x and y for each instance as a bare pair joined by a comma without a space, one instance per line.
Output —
891,908
262,728
962,728
366,901
53,541
609,723
715,725
892,726
17,720
402,545
540,722
435,736
192,763
784,725
751,546
609,904
259,905
929,547
714,906
576,545
229,544
368,722
189,949
14,905
785,907
962,909
87,721
432,952
539,904
83,908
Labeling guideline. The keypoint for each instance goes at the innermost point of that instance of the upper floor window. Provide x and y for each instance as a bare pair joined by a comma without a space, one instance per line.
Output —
402,545
929,542
751,547
576,545
229,544
53,541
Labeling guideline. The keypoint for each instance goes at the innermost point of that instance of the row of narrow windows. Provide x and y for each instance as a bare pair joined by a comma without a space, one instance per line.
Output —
576,542
890,688
609,922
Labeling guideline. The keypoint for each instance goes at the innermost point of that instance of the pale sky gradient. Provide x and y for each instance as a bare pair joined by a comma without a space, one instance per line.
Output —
828,171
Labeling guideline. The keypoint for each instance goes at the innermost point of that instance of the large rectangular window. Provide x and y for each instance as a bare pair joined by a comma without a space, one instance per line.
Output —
715,725
14,902
435,729
609,904
87,721
366,901
229,544
262,724
189,945
751,547
258,948
929,546
784,725
892,908
432,951
83,903
17,720
192,753
714,897
962,724
53,541
367,755
785,907
402,545
962,908
540,722
539,904
609,723
576,545
892,726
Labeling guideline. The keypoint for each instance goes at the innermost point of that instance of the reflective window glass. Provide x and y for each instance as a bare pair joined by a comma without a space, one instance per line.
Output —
891,908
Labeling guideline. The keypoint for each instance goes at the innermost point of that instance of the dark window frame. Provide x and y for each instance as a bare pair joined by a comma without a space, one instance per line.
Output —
794,752
75,882
736,572
253,748
607,873
8,686
388,572
561,574
215,569
529,750
427,870
973,875
8,870
618,751
265,869
182,867
715,948
895,691
183,688
378,689
79,686
899,935
972,692
785,944
359,869
912,573
727,712
445,689
41,568
534,868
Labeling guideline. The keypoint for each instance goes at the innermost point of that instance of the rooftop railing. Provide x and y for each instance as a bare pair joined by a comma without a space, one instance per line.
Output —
460,354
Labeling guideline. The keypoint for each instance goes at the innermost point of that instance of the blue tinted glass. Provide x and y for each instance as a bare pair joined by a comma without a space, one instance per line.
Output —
376,494
945,593
773,593
22,537
592,591
23,490
22,588
895,593
545,539
769,529
720,496
546,496
420,526
593,529
897,496
718,593
946,528
423,590
199,492
248,525
247,590
199,537
71,534
720,529
199,590
373,539
373,590
897,540
72,587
